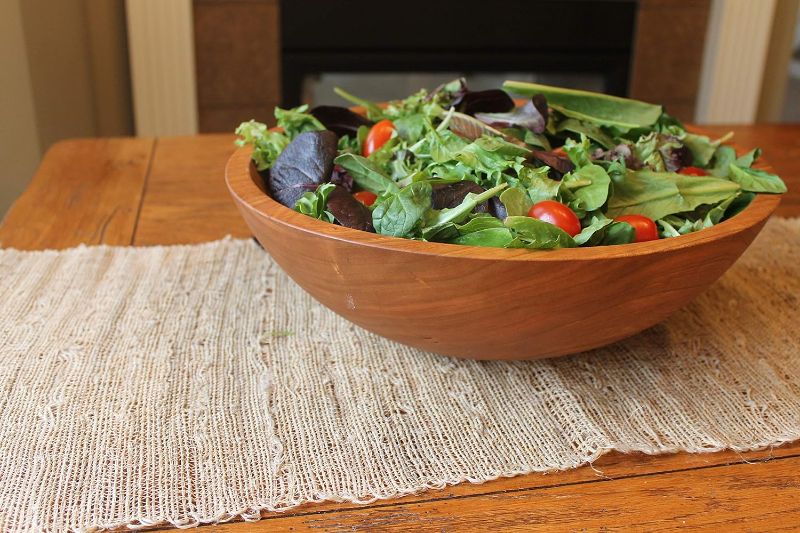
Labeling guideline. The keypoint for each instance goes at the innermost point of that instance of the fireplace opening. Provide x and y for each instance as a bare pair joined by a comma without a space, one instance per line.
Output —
388,52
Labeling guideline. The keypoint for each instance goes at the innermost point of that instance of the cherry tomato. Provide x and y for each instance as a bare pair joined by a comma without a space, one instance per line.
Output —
693,171
365,197
557,214
644,227
378,135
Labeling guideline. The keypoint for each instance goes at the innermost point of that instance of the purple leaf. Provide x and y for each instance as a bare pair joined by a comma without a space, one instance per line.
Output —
340,176
448,196
529,116
559,163
456,94
489,101
306,163
340,120
348,211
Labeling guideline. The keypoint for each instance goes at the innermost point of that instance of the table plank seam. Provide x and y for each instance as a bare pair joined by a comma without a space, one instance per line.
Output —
142,196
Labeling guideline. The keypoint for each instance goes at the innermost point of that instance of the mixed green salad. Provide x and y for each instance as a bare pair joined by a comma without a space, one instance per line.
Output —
566,168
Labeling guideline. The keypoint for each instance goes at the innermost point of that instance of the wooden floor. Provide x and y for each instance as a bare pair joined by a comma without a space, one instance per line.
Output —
171,190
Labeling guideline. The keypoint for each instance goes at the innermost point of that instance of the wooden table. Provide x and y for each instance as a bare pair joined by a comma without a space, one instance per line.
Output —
171,190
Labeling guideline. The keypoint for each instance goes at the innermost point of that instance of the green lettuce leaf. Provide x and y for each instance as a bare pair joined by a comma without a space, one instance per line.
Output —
597,108
398,214
267,145
593,233
595,194
516,201
366,174
313,203
658,194
534,233
439,220
755,180
296,121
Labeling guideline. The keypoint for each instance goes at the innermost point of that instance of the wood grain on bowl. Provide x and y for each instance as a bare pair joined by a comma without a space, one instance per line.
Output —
490,303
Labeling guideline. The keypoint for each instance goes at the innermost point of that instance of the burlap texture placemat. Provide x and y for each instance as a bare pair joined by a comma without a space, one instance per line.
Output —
195,384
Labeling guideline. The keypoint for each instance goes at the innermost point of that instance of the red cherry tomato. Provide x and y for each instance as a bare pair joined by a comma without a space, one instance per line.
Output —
556,214
644,227
365,197
378,135
693,171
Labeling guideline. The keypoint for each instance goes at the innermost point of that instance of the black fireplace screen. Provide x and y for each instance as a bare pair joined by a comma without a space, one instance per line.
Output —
584,44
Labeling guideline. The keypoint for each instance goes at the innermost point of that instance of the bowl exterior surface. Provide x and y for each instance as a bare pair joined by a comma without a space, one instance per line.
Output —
491,303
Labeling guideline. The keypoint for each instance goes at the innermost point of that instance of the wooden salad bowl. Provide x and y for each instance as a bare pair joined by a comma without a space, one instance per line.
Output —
490,303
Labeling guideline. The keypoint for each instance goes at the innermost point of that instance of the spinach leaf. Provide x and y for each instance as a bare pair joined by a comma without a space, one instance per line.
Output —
478,223
313,203
741,201
516,201
755,180
296,121
658,194
723,157
534,233
595,194
366,174
397,214
438,220
618,233
492,237
597,108
593,233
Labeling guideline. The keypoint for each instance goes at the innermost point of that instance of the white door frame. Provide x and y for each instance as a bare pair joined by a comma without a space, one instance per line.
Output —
735,56
161,49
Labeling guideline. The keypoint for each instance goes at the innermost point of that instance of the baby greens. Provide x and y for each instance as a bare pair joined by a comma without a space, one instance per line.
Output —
467,167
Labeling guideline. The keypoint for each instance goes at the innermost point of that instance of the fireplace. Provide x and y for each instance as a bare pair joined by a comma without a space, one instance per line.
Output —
579,43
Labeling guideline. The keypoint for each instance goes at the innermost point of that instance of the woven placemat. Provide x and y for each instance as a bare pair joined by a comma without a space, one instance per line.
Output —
192,384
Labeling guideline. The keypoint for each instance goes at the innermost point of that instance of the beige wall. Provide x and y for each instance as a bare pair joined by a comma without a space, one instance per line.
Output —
65,75
19,140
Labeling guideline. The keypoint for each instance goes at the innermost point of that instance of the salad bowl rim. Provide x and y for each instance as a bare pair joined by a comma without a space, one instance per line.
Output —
241,176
